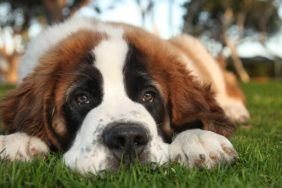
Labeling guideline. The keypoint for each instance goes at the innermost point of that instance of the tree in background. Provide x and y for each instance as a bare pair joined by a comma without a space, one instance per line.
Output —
229,21
19,15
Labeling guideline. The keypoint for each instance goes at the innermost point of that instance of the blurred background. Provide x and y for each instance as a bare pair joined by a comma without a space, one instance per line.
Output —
244,35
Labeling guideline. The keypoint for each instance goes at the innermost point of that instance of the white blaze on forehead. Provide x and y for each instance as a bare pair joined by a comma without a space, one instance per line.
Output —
110,58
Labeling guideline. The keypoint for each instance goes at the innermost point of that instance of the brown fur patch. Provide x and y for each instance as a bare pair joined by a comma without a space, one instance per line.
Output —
232,87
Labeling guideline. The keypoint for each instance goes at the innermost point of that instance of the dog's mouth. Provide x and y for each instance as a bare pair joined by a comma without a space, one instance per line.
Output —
117,160
128,156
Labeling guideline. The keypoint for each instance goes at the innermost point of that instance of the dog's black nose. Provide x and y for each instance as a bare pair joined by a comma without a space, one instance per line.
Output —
126,141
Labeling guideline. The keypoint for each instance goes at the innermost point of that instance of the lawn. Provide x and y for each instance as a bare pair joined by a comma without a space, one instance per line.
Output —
259,144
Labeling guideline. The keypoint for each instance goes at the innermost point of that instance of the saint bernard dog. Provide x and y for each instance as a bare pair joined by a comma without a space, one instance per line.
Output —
107,94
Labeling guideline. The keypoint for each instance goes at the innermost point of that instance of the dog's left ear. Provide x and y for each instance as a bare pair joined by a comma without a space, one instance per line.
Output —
194,106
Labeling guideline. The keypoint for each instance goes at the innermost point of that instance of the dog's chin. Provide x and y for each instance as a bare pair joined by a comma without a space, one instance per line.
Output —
95,162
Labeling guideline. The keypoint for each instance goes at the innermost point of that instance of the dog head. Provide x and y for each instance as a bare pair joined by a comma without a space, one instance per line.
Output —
105,93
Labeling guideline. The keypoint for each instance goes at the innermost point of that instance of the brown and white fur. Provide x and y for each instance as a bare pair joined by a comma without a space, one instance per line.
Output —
208,71
103,93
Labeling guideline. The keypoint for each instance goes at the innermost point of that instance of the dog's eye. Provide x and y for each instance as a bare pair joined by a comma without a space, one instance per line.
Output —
148,96
82,99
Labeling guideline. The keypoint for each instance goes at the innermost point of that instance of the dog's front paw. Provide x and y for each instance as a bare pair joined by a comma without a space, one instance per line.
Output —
200,148
20,146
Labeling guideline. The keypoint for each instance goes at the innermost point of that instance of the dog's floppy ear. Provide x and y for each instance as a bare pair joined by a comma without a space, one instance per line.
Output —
29,107
194,106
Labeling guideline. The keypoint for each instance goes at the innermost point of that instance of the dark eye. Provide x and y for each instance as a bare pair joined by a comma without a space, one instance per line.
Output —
82,99
148,96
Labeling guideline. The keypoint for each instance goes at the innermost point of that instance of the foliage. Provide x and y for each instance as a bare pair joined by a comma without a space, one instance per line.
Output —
213,18
19,13
22,13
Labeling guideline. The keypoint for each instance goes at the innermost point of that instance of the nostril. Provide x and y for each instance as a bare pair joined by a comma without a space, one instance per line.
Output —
140,140
120,141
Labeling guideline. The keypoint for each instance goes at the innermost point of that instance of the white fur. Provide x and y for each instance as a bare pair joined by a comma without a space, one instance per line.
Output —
199,148
20,146
48,39
88,154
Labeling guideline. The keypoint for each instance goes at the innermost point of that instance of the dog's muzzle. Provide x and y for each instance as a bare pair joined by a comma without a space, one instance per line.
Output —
126,141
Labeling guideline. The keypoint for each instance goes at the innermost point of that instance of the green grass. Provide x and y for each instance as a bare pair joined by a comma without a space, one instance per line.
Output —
259,144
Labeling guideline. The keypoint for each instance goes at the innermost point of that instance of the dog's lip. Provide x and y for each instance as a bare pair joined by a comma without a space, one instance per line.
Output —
128,155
